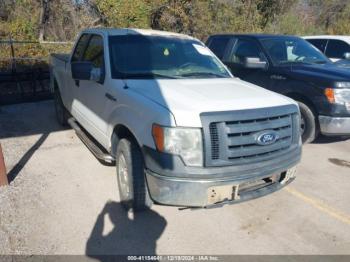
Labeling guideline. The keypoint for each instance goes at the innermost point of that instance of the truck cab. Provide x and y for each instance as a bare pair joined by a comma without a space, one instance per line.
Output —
293,67
180,129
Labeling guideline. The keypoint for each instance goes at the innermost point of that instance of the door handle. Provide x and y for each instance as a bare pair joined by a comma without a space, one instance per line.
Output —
110,97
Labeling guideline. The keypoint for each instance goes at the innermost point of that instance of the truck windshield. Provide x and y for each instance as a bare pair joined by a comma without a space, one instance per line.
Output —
142,57
292,50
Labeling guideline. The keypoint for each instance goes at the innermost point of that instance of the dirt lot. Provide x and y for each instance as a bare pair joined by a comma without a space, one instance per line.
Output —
63,201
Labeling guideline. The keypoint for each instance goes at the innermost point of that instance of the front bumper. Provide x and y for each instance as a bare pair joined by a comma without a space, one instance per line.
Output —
172,183
208,193
334,125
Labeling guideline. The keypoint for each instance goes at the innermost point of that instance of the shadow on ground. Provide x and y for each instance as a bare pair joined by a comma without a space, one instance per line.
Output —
27,120
129,236
330,139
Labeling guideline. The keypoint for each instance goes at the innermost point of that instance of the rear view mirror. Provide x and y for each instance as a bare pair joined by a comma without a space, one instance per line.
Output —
81,70
254,62
347,55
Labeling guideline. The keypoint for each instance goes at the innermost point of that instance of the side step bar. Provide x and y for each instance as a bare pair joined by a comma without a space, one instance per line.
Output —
92,145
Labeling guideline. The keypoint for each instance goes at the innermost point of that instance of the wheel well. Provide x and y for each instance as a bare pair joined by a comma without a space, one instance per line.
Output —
307,102
119,132
303,99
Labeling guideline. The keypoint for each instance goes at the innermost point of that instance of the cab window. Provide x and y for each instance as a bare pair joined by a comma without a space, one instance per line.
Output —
94,51
245,48
79,48
218,45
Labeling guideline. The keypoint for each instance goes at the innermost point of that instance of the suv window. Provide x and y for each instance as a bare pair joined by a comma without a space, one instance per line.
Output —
320,44
218,45
337,49
79,48
94,51
245,48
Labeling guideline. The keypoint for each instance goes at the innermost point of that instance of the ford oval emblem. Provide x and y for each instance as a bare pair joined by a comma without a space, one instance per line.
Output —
266,137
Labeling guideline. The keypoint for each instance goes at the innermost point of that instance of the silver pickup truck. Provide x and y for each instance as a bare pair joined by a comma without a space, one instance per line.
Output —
179,127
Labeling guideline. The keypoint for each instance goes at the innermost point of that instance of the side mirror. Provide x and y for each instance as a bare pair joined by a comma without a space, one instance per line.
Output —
347,55
86,71
254,63
81,70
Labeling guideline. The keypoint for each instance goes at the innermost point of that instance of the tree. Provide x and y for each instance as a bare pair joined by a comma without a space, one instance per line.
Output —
125,13
43,18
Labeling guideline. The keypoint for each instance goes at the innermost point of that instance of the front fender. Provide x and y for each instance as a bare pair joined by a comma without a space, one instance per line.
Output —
138,115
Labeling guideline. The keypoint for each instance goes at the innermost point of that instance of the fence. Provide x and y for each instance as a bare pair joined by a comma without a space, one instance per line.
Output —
24,71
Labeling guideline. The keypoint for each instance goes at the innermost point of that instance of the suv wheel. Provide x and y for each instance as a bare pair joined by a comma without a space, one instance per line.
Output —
308,124
133,190
61,112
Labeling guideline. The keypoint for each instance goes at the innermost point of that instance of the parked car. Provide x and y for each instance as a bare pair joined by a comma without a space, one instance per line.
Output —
291,66
335,47
180,129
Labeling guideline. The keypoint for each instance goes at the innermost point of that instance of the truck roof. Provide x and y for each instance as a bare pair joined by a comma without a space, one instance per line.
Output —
134,31
258,36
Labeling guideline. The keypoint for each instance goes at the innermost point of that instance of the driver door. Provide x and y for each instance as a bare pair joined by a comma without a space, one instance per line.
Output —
248,48
92,99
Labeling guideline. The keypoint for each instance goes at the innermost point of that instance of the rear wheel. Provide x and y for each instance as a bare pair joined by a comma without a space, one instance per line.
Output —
133,190
308,124
61,112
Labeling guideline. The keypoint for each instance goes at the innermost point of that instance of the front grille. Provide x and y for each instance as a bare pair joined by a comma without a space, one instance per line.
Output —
232,136
214,139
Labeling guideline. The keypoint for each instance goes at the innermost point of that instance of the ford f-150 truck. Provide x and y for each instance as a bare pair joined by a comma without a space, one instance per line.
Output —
293,67
179,127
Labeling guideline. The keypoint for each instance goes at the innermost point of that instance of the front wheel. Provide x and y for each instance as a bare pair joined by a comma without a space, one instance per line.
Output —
308,124
133,190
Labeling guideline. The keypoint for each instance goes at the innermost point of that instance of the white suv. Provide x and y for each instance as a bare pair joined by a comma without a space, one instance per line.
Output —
333,46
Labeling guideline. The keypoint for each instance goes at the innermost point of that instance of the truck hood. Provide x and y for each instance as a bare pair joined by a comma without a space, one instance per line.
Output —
329,72
187,98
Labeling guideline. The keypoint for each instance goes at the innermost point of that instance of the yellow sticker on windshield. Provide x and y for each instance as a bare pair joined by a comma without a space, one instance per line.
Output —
166,52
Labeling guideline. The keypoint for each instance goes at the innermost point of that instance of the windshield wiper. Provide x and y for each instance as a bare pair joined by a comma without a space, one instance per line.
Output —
202,74
148,75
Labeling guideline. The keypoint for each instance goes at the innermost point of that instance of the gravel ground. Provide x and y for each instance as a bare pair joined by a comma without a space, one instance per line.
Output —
63,201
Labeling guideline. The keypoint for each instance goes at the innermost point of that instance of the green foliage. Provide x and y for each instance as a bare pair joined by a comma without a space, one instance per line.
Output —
22,16
292,24
125,13
200,18
341,25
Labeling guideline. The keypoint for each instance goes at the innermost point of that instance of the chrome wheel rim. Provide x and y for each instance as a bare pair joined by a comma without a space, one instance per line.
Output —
123,178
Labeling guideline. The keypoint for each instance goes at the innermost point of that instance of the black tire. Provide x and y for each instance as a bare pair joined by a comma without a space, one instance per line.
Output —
136,196
62,113
309,127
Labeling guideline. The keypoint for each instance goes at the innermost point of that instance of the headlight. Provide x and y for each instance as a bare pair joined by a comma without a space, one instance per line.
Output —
339,96
185,142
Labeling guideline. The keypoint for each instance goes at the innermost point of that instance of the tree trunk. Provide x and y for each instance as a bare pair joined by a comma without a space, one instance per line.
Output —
43,19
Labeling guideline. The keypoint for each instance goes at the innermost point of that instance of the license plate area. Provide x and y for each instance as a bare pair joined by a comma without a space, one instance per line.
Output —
222,193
